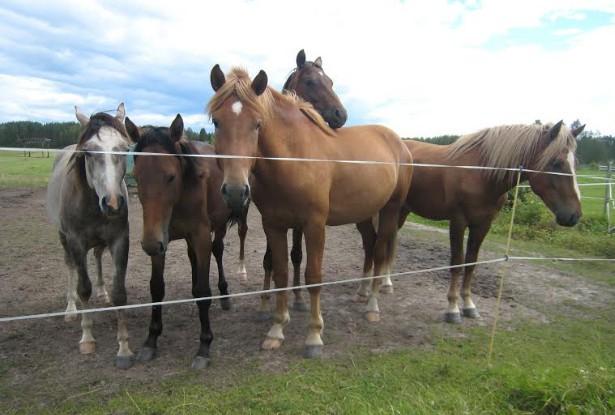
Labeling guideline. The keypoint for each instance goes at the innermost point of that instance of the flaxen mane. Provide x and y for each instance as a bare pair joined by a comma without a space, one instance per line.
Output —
238,84
512,146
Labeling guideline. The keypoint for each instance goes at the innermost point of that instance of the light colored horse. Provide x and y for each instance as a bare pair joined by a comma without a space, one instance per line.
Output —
88,201
471,199
253,120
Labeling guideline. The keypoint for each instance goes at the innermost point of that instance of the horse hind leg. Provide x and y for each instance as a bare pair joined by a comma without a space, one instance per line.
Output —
296,256
119,253
387,284
456,232
368,236
475,239
218,251
71,295
99,287
265,308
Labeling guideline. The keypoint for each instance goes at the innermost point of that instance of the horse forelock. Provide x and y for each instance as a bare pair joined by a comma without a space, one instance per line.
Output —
239,86
511,146
98,121
161,136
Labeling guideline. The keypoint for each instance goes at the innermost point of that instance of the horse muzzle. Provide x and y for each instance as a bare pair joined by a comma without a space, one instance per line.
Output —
112,205
335,117
567,219
236,197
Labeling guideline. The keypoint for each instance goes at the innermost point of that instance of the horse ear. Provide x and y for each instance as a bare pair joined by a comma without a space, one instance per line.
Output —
300,59
81,117
217,77
132,130
318,62
177,129
120,112
578,130
259,84
554,131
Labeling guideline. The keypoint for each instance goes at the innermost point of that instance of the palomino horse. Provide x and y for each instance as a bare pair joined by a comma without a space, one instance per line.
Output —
87,199
181,200
472,198
252,120
309,82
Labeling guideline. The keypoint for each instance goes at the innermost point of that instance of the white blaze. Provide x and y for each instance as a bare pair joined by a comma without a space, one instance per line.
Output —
236,107
574,175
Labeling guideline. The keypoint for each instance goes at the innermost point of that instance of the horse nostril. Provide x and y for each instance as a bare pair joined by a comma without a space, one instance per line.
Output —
246,192
224,189
338,114
104,202
161,247
120,201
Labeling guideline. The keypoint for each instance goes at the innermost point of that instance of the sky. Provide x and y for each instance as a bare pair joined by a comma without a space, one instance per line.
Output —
422,68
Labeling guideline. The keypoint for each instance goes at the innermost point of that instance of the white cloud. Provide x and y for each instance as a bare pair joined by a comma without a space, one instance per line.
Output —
417,67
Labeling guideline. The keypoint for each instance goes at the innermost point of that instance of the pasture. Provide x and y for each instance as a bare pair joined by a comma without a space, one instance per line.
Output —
553,351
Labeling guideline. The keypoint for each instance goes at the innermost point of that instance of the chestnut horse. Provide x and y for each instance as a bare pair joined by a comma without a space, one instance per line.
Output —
309,82
470,199
88,200
181,200
252,121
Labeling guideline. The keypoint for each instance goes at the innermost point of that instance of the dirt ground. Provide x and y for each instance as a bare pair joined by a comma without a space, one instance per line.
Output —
40,361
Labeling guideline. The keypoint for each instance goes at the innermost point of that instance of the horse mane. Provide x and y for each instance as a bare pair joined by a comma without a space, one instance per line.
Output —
239,85
511,146
151,135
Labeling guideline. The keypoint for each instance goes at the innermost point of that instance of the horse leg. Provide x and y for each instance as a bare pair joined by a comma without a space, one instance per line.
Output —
119,255
263,313
218,250
276,239
71,282
368,235
156,289
475,239
457,228
200,244
385,240
87,344
242,231
296,255
100,289
314,246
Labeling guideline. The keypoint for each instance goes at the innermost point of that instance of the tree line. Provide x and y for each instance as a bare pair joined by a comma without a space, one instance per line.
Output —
592,147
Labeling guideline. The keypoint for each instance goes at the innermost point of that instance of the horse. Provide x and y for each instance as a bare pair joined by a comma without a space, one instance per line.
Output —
181,200
309,82
88,201
471,199
253,122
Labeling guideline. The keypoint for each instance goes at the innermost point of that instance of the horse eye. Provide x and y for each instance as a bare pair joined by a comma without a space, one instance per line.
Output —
170,178
557,165
258,125
215,123
310,83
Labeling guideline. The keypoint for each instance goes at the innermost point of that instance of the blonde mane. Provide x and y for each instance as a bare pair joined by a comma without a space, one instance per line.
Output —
512,146
238,84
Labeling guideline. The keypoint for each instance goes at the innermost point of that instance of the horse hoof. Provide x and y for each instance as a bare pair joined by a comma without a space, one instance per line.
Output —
271,344
386,289
146,354
70,317
311,352
225,303
358,298
200,362
87,347
373,316
471,313
124,362
300,306
263,316
453,318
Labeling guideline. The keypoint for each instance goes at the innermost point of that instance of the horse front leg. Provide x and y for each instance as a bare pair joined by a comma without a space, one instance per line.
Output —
475,240
276,239
296,255
217,249
315,246
71,281
200,244
265,308
457,228
100,289
119,255
87,344
242,231
156,287
368,237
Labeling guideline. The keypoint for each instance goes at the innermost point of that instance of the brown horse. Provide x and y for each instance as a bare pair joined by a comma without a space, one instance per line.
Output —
309,82
472,198
252,120
180,199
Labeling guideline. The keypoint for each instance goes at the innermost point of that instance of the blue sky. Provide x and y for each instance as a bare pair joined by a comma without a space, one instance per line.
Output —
421,68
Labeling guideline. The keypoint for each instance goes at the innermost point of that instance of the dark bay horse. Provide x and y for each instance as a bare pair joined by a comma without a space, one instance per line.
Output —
253,120
470,199
88,200
181,200
309,82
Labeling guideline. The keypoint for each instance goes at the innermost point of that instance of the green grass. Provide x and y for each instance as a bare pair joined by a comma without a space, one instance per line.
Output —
566,367
19,171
